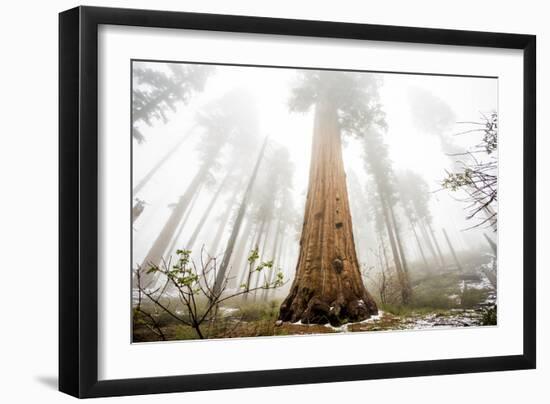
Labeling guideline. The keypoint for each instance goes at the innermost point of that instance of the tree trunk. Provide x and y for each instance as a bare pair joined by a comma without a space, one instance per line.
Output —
284,253
248,278
327,286
274,250
452,250
222,225
429,243
406,283
238,262
400,245
401,275
277,262
492,244
206,213
172,246
137,210
436,244
242,257
382,259
264,275
385,255
419,245
220,278
156,252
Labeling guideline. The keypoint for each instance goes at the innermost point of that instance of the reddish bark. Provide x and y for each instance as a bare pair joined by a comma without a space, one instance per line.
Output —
328,286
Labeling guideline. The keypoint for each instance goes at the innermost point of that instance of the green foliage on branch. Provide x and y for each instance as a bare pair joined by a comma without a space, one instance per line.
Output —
455,181
197,299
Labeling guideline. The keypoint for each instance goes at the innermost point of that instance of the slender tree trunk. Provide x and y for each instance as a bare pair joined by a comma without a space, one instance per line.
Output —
238,261
492,244
207,212
400,244
417,238
436,244
264,275
277,239
429,243
251,246
328,286
161,162
278,246
279,252
255,246
384,267
137,210
452,250
156,252
386,261
224,219
284,253
220,278
401,275
413,228
263,236
275,247
172,246
214,246
273,257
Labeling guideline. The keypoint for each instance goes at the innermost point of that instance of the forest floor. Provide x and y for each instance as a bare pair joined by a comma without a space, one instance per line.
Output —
441,301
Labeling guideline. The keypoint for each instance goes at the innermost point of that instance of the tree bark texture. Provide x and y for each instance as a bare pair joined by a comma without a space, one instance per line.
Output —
328,286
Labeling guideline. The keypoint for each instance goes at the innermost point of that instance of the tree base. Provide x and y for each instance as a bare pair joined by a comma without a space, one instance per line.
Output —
315,310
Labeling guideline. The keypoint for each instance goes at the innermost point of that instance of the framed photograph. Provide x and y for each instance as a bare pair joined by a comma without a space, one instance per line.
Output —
251,201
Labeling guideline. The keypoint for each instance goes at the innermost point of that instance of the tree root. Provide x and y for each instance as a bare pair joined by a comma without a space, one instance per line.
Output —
316,311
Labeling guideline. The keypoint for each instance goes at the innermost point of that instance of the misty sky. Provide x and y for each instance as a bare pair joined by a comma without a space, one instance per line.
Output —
421,113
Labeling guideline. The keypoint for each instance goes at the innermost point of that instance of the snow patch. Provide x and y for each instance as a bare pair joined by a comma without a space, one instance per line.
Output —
345,327
227,311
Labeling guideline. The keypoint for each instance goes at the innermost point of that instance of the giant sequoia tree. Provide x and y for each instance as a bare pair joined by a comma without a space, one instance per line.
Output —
328,286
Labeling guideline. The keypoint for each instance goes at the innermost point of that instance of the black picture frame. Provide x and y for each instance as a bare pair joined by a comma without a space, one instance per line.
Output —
78,201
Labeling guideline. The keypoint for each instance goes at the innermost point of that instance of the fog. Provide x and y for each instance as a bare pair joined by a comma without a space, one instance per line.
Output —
423,114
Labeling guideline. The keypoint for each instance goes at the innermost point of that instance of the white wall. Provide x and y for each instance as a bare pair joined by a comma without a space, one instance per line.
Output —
28,202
